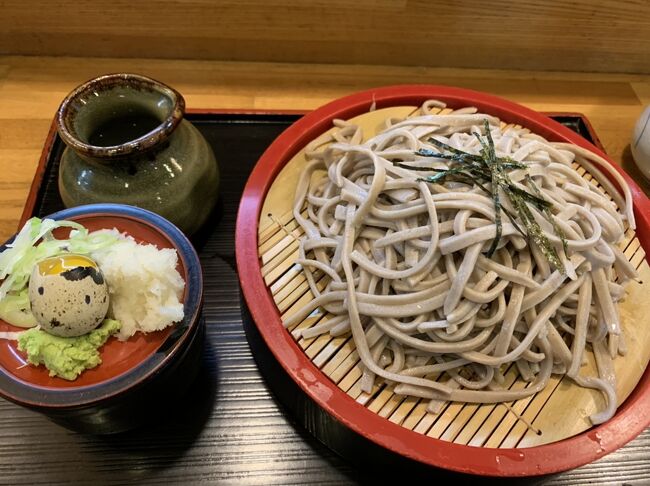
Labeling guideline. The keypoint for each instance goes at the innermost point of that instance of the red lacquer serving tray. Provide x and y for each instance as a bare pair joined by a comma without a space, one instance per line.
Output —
632,416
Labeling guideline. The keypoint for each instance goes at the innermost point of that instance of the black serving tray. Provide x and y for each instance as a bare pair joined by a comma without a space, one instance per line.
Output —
230,428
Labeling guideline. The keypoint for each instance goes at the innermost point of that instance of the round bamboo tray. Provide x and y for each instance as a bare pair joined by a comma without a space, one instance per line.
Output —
541,434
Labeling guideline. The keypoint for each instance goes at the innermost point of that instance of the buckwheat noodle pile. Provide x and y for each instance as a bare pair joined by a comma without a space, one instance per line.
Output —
443,294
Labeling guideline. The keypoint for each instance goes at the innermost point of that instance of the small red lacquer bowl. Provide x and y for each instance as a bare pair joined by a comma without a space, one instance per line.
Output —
106,399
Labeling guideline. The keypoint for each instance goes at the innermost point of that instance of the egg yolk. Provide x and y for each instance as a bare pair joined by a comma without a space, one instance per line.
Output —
63,263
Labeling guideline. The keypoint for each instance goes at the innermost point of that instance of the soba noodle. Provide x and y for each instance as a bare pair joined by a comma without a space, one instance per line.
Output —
401,263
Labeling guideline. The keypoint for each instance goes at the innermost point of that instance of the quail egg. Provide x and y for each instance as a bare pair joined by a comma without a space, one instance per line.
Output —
68,295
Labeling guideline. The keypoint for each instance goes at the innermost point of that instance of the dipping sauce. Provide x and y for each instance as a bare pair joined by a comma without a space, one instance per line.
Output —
123,128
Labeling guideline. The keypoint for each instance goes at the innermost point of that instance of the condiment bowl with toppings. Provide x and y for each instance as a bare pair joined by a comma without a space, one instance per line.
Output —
99,316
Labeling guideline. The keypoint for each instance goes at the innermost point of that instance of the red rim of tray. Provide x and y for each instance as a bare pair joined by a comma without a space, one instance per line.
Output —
631,417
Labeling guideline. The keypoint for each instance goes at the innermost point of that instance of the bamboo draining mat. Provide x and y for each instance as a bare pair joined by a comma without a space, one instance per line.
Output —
559,411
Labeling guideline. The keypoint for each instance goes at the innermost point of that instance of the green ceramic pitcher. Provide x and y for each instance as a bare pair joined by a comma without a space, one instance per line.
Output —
127,142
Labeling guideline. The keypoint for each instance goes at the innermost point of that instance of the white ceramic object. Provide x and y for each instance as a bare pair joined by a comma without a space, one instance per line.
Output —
640,144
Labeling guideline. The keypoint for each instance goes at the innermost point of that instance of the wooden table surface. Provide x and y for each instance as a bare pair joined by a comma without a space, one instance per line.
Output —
31,89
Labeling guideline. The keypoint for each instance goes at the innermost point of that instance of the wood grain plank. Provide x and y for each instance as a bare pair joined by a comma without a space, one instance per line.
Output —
603,35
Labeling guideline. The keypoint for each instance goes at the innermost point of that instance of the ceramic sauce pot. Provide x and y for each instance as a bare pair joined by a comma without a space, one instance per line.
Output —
640,144
127,142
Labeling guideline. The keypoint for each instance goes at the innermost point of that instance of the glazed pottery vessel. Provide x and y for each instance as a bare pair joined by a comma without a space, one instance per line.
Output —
640,144
127,142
